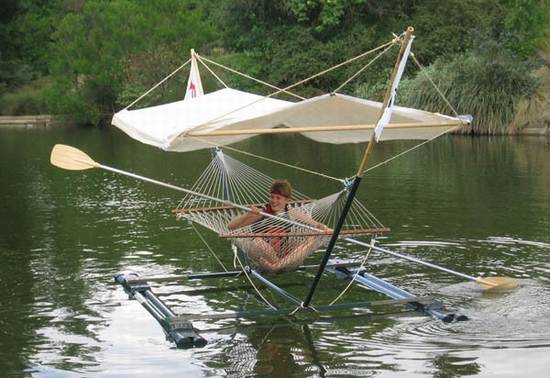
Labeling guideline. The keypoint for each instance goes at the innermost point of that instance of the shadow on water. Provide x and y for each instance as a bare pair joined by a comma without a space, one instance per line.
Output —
481,206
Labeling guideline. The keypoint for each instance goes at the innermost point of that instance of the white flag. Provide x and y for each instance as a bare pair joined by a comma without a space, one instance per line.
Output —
194,84
385,119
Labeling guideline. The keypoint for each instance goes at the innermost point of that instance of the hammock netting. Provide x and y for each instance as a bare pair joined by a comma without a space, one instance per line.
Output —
275,243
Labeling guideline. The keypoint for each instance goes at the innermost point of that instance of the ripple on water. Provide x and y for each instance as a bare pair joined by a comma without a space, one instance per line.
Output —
515,321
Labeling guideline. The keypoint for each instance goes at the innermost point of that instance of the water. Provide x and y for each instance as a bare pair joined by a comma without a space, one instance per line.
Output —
480,206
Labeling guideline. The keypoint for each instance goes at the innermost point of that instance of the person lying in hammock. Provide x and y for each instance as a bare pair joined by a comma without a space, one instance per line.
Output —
278,252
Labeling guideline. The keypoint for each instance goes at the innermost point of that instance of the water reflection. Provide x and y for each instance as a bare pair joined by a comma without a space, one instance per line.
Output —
282,350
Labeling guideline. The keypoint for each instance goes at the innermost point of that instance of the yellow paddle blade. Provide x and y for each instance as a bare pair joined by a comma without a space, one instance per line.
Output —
499,283
71,158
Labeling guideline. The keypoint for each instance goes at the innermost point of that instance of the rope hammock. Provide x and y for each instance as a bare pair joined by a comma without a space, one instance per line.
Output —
277,242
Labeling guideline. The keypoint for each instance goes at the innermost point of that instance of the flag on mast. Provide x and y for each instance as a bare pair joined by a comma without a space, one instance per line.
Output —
385,119
194,84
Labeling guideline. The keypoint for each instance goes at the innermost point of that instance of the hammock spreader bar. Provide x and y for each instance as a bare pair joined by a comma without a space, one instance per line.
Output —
355,232
215,208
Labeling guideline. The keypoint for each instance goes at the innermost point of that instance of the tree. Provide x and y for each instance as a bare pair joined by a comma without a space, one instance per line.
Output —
108,49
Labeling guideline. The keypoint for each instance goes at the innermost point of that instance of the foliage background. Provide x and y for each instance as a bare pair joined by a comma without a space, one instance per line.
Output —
87,59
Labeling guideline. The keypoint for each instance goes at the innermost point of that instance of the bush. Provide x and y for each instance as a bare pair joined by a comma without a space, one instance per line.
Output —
26,100
487,82
534,111
98,63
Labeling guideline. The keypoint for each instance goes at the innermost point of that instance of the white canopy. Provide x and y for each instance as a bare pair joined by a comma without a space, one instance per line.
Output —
228,115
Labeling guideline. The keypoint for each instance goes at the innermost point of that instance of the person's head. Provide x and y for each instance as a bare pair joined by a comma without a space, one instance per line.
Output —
280,194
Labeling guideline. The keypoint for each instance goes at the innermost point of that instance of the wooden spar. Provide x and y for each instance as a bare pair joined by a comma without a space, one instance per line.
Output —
361,231
360,173
316,129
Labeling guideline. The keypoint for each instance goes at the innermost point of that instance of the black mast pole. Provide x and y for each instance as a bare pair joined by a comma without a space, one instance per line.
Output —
357,180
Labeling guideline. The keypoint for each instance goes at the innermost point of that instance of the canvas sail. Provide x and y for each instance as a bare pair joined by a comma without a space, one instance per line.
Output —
176,126
228,115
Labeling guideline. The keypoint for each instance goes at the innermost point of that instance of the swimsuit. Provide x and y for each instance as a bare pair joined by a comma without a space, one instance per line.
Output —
277,243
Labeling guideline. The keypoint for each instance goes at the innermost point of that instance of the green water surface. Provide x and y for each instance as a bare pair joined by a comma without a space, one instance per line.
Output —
480,206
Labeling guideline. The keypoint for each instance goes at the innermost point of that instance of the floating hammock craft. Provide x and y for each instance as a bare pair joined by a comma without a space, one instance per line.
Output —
228,188
274,243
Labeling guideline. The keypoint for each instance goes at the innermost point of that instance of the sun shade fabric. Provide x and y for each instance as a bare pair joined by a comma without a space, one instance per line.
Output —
170,126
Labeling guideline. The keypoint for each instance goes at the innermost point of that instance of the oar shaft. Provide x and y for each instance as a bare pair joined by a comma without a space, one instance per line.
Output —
170,186
413,259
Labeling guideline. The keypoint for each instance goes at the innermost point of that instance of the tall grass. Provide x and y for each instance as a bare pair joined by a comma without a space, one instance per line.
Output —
487,83
25,100
534,111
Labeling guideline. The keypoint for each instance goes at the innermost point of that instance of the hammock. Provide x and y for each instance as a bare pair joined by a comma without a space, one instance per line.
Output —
274,243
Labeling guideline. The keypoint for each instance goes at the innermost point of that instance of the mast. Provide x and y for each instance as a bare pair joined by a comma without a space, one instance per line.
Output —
385,113
194,82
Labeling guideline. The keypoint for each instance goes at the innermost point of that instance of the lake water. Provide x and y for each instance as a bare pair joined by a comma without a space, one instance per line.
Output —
479,206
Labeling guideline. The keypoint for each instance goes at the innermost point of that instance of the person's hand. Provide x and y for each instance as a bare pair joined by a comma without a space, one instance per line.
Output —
254,210
325,228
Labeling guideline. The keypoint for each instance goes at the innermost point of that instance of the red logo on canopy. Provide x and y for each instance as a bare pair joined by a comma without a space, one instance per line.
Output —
192,89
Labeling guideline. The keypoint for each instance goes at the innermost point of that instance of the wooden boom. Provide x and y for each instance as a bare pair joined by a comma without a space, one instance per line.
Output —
313,129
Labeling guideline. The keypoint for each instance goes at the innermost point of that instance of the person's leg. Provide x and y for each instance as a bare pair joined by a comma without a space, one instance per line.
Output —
262,250
296,254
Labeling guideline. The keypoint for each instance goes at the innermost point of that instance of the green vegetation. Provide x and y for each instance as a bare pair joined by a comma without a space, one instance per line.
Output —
486,81
90,58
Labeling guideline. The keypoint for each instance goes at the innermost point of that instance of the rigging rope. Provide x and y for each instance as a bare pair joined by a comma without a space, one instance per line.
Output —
423,70
209,70
345,290
159,83
362,69
271,160
409,150
244,75
208,246
245,271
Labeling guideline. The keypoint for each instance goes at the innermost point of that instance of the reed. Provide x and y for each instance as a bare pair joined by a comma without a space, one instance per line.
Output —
488,83
534,111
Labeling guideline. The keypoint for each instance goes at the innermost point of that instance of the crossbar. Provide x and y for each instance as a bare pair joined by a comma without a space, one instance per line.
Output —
361,231
302,310
217,208
234,273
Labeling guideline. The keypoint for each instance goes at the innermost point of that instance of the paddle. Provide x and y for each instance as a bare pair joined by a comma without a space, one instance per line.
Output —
67,157
493,283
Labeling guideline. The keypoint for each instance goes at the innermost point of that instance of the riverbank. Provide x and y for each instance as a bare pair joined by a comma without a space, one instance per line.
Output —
47,120
535,131
42,120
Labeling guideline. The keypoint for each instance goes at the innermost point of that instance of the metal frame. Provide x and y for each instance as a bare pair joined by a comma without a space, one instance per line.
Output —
180,329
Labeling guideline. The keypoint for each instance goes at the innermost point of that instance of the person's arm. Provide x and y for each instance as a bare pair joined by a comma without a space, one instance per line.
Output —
246,219
306,219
